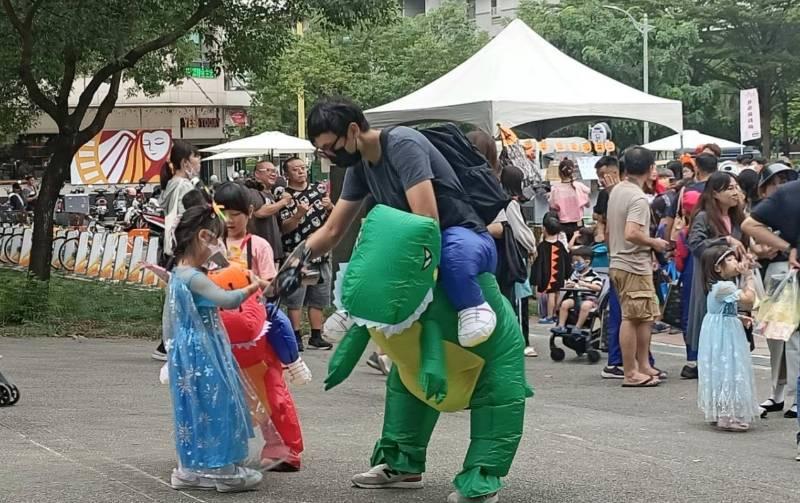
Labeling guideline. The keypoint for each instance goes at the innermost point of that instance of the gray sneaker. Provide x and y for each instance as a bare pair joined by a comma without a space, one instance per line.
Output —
456,497
383,477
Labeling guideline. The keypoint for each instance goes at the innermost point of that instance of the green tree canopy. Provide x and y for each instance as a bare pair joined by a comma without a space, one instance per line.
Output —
371,64
46,44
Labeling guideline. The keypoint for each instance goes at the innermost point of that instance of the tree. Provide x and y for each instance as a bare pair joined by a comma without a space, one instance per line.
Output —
372,65
744,44
47,43
607,41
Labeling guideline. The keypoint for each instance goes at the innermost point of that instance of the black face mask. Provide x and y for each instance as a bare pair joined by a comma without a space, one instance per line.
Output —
345,159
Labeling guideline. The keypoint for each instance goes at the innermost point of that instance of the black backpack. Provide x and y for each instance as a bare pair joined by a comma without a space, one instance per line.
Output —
482,190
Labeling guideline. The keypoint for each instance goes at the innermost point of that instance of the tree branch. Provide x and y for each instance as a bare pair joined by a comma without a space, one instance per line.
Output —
137,53
23,28
103,111
70,65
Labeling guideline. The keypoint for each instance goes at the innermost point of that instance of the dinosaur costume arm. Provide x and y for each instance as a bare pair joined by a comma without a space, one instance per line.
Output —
346,356
433,372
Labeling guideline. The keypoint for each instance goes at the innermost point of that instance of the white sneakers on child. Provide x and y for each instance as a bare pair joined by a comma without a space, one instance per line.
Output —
475,325
336,326
299,372
244,479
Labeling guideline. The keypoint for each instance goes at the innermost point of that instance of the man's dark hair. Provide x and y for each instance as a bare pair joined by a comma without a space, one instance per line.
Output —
333,115
583,251
744,158
638,161
16,186
285,164
706,163
606,160
676,168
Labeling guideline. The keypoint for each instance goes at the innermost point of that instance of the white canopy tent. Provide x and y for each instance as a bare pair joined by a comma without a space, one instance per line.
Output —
691,139
520,80
268,143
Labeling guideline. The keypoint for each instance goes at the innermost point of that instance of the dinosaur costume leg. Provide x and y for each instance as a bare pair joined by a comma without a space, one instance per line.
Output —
407,427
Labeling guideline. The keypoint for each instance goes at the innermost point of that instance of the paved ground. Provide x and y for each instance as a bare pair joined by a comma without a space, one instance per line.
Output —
94,425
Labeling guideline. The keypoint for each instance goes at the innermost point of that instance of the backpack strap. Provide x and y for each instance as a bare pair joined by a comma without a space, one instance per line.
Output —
248,244
384,140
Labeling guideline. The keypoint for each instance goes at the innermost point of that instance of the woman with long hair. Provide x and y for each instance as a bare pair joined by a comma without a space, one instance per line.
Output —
716,220
176,181
569,198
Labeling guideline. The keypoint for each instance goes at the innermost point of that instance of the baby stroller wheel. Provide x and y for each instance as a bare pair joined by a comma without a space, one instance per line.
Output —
14,394
593,355
557,354
5,395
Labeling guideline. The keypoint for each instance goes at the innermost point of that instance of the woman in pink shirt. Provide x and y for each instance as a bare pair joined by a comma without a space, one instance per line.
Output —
569,198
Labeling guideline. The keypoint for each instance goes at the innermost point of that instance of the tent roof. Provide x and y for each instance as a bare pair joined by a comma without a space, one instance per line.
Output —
691,139
519,78
270,142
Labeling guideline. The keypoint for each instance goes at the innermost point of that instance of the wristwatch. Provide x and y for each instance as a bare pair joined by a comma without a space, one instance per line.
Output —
788,249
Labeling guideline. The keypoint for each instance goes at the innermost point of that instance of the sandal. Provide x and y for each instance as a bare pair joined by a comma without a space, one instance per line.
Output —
650,382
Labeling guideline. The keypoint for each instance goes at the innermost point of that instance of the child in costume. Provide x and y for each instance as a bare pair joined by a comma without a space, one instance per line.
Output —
262,344
726,387
212,419
551,268
389,293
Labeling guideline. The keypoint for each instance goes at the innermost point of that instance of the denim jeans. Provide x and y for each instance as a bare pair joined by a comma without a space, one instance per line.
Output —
614,322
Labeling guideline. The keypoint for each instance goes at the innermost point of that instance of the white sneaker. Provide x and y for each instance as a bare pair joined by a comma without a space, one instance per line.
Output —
336,326
383,477
456,497
475,325
385,363
530,352
158,355
245,479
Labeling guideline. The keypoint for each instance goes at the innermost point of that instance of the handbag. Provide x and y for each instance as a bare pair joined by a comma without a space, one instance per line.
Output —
680,221
671,310
170,223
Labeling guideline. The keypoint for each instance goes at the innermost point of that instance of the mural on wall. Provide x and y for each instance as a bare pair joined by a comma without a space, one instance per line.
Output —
126,156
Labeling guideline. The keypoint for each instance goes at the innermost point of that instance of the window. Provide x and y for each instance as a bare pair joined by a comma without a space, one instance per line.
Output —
495,10
470,9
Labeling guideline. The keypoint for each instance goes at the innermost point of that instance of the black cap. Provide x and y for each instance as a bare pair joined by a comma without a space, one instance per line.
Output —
773,169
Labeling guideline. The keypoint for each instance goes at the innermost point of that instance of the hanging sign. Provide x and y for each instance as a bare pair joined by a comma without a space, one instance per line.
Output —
749,115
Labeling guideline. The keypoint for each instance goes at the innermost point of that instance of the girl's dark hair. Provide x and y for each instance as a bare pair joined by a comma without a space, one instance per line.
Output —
718,182
567,165
586,236
193,198
677,169
708,261
181,150
748,181
192,221
511,179
486,146
233,196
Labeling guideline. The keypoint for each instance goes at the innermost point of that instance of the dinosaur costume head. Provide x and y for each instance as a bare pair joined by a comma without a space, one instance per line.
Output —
391,293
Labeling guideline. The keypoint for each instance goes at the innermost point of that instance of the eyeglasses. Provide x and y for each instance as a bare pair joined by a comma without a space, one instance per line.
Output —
328,151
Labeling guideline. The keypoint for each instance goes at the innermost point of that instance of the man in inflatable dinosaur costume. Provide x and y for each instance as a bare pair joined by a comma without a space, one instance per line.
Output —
390,294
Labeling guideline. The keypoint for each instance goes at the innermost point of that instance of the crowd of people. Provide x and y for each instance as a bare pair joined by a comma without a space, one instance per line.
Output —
706,231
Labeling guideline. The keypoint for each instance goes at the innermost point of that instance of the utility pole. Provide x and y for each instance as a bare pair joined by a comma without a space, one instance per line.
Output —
301,100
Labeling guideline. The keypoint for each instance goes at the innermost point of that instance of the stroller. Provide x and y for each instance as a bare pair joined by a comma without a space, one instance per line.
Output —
9,394
582,341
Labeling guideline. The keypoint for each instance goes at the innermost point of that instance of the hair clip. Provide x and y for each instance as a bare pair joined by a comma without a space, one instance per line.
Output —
218,211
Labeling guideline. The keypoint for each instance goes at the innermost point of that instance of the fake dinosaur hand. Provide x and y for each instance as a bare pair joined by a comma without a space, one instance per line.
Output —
347,355
433,374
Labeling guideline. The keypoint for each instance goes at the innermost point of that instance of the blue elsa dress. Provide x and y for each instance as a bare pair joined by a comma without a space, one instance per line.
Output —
726,387
212,419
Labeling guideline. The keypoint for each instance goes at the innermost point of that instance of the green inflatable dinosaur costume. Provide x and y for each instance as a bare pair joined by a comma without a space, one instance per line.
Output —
389,292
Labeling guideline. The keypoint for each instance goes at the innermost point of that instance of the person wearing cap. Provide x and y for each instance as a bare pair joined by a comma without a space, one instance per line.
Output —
769,226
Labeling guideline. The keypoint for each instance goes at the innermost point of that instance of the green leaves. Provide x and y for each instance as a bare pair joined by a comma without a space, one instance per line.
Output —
371,63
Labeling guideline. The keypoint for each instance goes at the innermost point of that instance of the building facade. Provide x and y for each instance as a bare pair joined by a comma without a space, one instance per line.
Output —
489,15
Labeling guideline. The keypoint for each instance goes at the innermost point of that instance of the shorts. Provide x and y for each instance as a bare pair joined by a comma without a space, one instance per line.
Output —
316,296
637,295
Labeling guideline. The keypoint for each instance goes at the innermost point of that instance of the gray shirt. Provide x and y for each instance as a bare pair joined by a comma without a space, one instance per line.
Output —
411,159
266,227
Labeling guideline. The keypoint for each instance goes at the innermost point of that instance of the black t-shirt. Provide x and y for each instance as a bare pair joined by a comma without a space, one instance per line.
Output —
781,212
267,227
312,220
411,159
601,206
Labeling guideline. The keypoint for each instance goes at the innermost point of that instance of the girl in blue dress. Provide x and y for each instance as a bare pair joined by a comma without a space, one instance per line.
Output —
212,419
726,388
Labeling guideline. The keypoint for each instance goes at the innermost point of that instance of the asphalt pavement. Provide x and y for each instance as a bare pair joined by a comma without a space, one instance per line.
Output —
94,425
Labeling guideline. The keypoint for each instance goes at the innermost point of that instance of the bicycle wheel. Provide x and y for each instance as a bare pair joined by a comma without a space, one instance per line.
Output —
58,245
8,249
64,261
